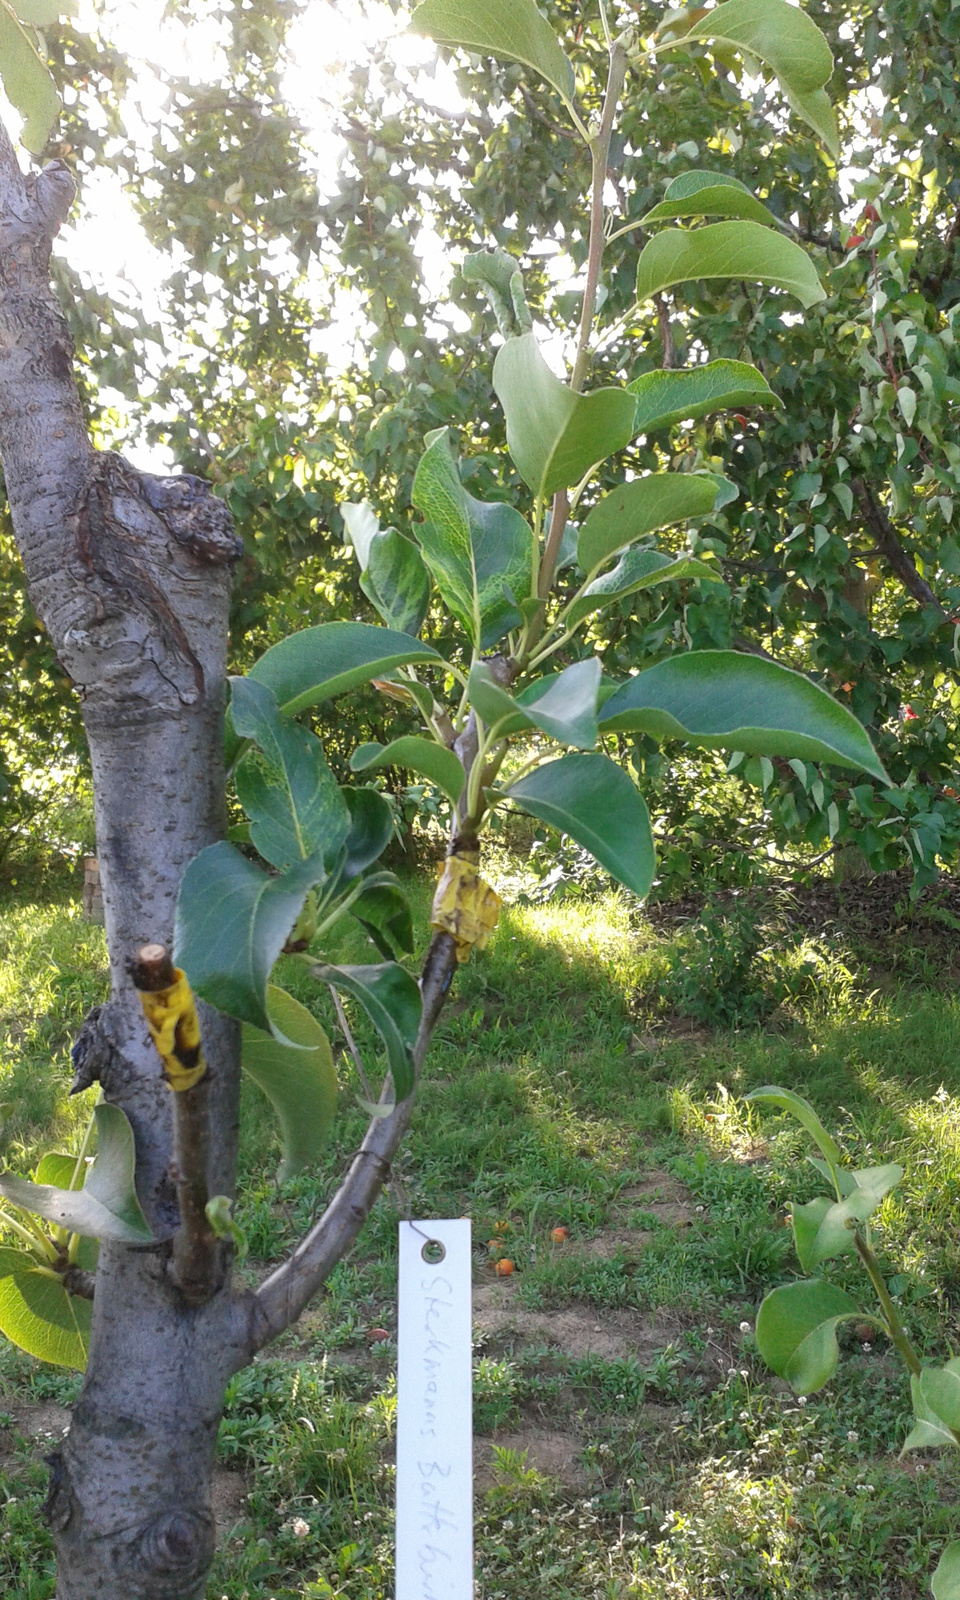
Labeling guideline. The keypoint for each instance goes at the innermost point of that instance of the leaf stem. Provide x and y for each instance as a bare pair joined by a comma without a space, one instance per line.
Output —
895,1327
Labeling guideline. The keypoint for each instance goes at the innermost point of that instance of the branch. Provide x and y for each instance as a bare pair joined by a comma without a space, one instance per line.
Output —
666,333
541,116
282,1297
887,543
600,152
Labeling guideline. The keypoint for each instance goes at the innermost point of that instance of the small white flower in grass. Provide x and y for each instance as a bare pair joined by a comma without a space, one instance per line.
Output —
744,1416
817,1456
745,1327
852,1435
801,1399
299,1528
866,1348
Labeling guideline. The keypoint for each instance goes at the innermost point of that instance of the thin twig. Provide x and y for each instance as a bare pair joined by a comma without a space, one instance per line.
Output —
351,1042
600,153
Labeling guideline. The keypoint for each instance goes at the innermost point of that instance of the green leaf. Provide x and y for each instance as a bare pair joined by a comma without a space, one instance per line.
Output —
481,555
796,1331
665,398
931,1431
781,35
823,1228
945,1583
499,275
38,1315
817,112
362,525
397,581
60,1170
638,569
726,250
27,80
722,699
231,925
640,507
593,800
391,1000
291,796
709,194
563,705
940,1388
513,30
300,1083
319,663
44,13
433,761
554,435
107,1206
800,1108
382,909
371,829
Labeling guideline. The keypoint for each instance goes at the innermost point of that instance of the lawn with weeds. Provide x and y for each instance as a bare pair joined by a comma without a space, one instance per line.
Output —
587,1075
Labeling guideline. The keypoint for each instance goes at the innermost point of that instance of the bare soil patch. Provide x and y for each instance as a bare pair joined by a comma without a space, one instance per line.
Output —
576,1330
556,1455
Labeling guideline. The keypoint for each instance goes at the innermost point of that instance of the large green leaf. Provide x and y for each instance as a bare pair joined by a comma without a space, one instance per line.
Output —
27,80
397,581
940,1388
593,800
781,35
499,275
107,1206
709,194
371,829
300,1083
787,1100
640,507
393,575
290,795
382,909
637,569
945,1583
318,663
391,1000
481,555
930,1432
514,30
38,1315
815,109
823,1228
664,398
796,1331
722,699
60,1170
232,923
433,761
564,705
727,250
554,435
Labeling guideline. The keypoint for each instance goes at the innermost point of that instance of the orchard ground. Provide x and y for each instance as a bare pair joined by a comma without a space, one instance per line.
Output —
587,1074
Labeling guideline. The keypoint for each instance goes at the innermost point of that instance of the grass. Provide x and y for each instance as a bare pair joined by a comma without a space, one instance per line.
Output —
575,1066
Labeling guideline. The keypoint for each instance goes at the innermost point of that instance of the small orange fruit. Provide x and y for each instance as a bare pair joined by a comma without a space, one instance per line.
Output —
377,1335
559,1234
493,1245
501,1227
503,1268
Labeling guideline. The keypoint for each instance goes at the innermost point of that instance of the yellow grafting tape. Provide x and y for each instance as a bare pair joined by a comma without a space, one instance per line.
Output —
464,905
174,1027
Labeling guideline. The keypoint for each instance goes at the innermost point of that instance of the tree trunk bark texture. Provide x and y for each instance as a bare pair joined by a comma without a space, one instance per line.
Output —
131,576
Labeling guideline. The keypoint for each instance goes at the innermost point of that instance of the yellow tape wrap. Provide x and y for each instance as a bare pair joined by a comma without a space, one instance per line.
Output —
175,1030
464,905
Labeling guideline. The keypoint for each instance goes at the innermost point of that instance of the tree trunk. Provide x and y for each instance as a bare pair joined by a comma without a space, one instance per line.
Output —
131,576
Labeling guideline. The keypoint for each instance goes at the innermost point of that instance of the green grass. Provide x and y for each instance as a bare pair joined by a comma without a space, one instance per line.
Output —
574,1057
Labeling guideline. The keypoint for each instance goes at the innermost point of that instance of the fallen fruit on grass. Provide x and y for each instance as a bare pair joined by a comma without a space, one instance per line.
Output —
503,1268
377,1335
501,1227
493,1245
559,1234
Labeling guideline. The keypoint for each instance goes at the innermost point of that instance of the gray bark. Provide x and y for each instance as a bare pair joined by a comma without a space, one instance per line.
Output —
131,574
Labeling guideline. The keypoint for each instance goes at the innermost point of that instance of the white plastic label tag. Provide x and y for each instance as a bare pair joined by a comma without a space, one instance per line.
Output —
435,1413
